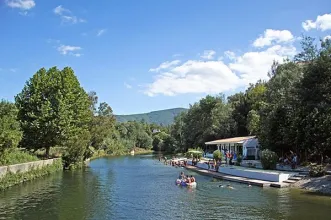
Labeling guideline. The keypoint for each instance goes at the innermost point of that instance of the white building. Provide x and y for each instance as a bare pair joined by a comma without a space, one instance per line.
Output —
247,146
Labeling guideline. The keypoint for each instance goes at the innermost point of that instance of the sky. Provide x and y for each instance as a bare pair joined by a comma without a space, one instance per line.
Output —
146,55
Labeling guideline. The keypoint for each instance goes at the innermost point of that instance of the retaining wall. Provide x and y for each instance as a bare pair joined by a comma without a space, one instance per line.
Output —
25,167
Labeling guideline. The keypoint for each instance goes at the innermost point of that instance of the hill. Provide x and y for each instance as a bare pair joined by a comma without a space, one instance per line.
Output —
162,117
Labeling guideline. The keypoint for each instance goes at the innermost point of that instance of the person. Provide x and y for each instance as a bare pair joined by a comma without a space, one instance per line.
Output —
294,161
231,158
192,179
188,179
229,186
181,175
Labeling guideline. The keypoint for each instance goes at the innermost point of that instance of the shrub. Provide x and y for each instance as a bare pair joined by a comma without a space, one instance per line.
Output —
194,152
239,160
17,156
316,171
217,155
269,159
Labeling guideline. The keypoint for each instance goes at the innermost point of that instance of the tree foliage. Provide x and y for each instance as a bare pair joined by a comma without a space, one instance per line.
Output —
10,132
53,108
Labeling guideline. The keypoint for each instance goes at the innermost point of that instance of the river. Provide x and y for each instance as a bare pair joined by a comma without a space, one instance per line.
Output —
140,187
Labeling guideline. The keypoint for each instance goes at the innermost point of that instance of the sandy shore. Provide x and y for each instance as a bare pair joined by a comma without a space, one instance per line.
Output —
317,184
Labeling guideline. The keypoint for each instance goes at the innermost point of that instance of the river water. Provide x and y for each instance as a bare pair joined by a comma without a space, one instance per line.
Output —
140,187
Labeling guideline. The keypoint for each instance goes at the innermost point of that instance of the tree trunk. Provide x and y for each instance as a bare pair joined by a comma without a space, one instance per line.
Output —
47,152
321,159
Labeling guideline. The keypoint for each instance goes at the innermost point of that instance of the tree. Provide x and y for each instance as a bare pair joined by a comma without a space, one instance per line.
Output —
239,104
10,133
53,108
102,125
315,96
92,95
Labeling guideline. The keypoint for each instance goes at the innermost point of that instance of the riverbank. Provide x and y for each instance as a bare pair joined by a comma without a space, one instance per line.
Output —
19,173
315,184
138,151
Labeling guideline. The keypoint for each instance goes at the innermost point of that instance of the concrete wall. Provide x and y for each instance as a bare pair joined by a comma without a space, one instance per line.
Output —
255,174
25,167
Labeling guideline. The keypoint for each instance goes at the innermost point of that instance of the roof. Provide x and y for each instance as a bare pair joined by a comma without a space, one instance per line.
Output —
237,140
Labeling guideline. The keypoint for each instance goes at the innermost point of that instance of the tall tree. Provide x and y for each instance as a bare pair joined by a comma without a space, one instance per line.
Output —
315,96
10,133
102,126
53,108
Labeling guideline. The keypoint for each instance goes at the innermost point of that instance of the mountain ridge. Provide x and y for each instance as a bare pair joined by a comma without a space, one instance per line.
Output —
161,117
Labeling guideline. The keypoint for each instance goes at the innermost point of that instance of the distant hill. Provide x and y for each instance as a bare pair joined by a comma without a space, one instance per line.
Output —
164,117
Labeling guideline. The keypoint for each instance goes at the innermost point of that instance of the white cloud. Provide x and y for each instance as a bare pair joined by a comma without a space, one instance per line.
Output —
271,36
101,32
327,37
165,65
21,4
13,70
194,76
212,77
66,49
208,54
66,15
252,66
230,55
128,86
323,23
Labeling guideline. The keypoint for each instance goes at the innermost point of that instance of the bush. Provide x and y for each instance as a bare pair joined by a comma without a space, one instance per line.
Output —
269,159
16,156
193,152
316,171
239,160
54,152
217,155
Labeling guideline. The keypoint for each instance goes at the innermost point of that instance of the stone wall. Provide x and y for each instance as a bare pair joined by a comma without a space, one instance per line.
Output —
25,167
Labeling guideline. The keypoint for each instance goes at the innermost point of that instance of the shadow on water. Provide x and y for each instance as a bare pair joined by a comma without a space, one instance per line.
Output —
140,187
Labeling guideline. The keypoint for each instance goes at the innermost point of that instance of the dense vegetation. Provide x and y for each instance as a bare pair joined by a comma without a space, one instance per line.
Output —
289,112
162,117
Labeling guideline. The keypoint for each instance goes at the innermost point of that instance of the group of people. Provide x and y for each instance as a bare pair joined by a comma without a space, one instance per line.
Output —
187,179
173,162
291,159
229,156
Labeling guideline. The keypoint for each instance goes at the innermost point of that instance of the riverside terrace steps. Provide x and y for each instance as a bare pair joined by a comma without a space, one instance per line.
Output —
260,183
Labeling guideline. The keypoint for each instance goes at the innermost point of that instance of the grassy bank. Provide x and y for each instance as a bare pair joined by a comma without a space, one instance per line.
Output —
17,156
11,179
142,151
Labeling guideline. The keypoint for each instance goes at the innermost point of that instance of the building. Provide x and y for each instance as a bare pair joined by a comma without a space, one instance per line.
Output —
247,146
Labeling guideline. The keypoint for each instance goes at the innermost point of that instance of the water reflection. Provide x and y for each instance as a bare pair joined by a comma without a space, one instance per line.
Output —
140,187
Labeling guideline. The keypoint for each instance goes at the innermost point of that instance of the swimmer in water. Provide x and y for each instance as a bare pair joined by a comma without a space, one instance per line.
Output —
229,186
221,186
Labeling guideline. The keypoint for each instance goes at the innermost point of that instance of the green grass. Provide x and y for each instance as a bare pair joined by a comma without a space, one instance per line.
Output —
17,156
11,179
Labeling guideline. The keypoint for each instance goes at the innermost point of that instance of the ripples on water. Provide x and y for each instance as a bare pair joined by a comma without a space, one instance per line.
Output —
142,188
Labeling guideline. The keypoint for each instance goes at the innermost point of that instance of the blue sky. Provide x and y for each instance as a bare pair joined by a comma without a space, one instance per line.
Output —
148,55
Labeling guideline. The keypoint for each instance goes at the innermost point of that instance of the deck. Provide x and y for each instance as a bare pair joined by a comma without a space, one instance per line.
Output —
260,183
